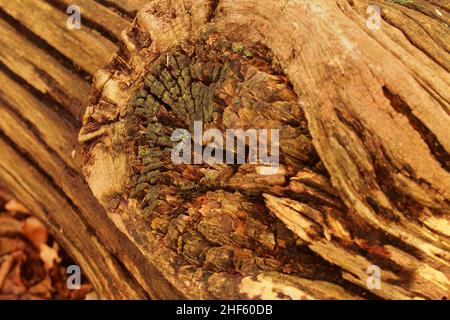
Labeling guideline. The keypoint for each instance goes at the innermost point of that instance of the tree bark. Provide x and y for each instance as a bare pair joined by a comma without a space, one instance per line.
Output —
364,144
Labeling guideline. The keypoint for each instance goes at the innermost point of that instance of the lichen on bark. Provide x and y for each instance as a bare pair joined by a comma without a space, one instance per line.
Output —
224,83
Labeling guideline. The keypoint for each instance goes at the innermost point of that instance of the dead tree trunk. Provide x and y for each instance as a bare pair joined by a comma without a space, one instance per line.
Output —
364,144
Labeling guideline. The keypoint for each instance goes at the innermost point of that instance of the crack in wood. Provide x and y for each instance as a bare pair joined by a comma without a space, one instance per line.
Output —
428,137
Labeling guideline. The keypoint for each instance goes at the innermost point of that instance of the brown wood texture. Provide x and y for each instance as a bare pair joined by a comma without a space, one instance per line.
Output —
365,116
46,72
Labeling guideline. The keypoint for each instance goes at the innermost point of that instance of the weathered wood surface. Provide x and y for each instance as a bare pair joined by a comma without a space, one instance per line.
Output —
373,106
45,72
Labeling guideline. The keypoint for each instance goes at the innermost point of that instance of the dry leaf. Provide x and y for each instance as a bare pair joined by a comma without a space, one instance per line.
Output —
13,283
35,231
5,267
15,206
9,225
81,293
9,245
43,288
49,255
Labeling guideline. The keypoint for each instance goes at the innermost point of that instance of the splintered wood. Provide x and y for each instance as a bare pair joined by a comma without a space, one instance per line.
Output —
350,194
358,206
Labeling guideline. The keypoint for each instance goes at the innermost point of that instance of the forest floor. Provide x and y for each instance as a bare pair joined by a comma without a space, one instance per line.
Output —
32,264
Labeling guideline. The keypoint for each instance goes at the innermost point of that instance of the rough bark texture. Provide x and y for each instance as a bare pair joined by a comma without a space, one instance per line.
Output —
364,145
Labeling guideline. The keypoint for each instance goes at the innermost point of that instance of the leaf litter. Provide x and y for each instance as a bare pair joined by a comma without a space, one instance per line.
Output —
32,263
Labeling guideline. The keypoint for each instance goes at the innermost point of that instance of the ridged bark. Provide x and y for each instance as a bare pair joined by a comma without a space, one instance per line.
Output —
364,147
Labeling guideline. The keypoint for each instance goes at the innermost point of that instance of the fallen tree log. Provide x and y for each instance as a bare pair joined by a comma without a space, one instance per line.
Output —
363,119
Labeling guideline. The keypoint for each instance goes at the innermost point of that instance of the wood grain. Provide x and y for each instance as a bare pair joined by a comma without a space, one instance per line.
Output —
41,102
366,182
85,47
383,141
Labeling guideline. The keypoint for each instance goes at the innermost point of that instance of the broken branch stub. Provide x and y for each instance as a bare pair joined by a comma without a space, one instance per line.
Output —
347,194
